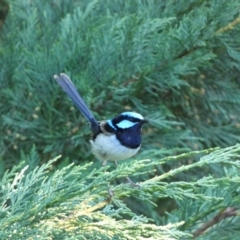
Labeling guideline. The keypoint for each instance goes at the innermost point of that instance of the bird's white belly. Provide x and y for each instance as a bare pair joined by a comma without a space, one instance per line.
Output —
108,148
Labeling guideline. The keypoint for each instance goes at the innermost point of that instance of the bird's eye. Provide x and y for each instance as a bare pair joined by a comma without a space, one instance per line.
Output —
131,119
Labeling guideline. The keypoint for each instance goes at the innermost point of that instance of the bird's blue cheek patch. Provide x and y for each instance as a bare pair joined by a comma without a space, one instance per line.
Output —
125,124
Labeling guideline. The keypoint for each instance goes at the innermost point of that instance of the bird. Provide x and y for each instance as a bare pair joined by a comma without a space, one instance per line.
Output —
115,139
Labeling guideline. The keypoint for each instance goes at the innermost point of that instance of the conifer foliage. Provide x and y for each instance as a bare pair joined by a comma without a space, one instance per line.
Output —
175,62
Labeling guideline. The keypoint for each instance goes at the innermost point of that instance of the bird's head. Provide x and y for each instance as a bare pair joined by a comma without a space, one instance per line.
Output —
127,120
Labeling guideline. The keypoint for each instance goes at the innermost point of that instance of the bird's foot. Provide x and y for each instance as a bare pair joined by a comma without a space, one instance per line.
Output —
132,183
110,194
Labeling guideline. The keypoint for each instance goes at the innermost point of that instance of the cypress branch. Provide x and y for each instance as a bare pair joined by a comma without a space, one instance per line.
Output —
67,202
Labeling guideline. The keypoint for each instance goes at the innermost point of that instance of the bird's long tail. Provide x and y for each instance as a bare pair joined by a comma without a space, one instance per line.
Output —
68,87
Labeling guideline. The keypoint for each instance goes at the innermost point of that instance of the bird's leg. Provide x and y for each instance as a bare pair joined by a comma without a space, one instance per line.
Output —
128,179
110,192
104,163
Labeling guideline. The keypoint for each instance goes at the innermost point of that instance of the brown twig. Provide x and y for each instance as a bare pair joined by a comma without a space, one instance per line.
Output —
228,212
230,26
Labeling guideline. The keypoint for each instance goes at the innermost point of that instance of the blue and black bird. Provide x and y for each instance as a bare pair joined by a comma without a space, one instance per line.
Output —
115,139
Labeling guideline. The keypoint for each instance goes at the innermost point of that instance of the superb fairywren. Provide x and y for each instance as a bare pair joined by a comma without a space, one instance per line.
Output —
113,140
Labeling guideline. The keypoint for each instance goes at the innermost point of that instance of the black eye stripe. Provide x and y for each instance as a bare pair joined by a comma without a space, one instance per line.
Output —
132,119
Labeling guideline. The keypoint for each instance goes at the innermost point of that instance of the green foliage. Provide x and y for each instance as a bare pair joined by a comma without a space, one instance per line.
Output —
175,62
64,204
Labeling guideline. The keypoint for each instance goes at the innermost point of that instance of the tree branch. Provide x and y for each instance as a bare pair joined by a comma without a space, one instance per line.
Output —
228,212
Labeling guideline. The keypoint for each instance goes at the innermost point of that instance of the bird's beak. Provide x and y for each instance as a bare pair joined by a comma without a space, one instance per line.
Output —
145,121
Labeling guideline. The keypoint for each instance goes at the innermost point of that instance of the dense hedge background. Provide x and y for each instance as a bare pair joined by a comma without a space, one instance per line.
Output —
175,62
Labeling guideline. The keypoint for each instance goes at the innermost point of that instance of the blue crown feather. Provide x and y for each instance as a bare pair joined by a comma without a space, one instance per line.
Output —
133,114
